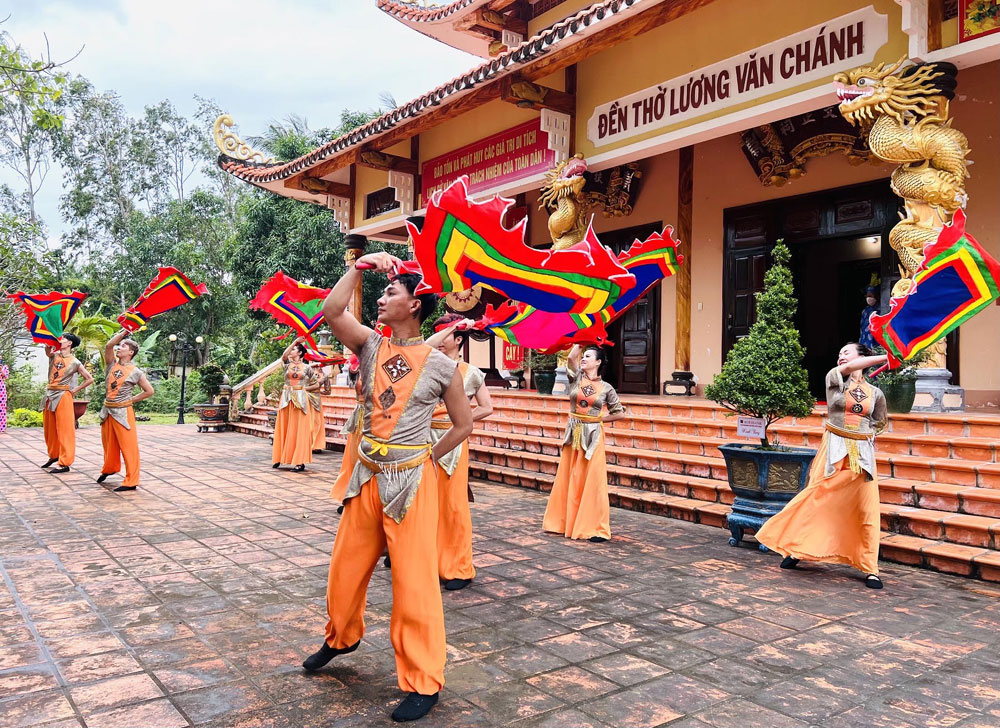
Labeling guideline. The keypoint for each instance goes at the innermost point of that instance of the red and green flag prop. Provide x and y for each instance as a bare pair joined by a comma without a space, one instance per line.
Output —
292,303
957,280
48,314
169,289
463,242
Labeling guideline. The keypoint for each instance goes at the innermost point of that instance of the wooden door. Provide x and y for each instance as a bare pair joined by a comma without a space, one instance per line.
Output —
743,273
634,360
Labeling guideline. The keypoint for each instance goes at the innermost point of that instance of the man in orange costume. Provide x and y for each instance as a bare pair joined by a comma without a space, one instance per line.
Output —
58,420
118,429
391,499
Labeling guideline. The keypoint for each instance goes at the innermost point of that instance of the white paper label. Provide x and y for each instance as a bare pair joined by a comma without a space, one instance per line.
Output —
750,427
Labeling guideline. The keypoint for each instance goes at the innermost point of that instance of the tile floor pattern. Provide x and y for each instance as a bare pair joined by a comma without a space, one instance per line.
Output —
193,601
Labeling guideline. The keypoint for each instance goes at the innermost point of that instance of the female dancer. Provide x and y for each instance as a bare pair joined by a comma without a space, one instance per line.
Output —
454,540
58,420
315,393
578,505
293,431
835,519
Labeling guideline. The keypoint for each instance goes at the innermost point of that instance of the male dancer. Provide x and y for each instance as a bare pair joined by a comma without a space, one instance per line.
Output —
118,431
392,499
58,420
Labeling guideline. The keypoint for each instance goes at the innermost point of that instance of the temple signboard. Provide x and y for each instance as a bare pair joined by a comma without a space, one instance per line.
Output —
513,154
811,55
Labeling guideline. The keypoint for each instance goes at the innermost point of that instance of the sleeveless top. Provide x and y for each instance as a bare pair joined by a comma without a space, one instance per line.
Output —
120,382
472,380
858,407
63,376
587,399
402,382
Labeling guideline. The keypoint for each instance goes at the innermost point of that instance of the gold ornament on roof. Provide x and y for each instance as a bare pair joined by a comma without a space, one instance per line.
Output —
232,146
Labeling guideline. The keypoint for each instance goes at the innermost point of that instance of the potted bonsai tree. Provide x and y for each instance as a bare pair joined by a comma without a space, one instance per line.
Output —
763,378
900,385
543,370
213,415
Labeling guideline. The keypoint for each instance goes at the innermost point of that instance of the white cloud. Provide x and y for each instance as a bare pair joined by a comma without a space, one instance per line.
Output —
259,59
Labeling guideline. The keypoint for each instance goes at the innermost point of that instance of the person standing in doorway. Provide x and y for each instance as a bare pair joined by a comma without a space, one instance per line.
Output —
118,427
58,419
578,506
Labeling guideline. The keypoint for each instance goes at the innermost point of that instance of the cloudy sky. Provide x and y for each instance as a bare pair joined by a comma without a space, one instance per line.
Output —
259,59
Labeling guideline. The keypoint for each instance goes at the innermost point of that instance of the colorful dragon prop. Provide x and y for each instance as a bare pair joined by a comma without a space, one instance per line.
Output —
906,109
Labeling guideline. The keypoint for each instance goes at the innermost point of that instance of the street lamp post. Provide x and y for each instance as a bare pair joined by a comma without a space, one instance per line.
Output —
183,346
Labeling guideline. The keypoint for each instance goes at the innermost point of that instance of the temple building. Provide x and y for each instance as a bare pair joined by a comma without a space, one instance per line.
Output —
716,117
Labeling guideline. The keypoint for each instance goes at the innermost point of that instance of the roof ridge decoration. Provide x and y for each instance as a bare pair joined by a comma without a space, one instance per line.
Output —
421,11
529,50
234,147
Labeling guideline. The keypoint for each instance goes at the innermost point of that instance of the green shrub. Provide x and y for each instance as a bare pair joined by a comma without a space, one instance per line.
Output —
167,395
763,374
23,417
22,393
274,383
540,362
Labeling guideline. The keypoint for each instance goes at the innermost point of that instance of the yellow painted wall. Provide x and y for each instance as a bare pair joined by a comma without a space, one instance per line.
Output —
368,180
559,12
710,34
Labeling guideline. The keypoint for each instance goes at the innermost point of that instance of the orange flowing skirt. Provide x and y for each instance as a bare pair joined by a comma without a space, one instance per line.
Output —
454,535
578,505
319,427
834,520
293,437
346,466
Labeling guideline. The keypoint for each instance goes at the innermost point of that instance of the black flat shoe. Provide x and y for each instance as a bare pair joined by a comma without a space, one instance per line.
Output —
597,539
414,707
299,469
456,584
49,463
326,653
789,563
123,488
873,582
387,562
63,469
276,466
103,476
340,510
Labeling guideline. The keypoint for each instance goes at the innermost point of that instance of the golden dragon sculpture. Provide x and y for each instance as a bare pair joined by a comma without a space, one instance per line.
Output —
563,194
905,109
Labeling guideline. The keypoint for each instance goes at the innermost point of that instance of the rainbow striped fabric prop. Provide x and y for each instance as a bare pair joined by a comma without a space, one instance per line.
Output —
292,303
48,314
169,289
650,261
957,280
463,242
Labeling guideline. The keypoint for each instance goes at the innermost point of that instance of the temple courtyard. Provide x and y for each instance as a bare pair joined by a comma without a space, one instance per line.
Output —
193,601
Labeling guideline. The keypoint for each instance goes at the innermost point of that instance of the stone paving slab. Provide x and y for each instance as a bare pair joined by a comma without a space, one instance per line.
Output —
193,601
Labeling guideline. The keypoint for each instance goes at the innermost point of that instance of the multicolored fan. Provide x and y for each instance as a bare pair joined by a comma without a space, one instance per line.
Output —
293,304
957,280
48,314
463,242
169,289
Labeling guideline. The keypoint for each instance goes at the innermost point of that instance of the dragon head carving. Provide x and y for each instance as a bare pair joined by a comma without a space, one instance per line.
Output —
908,94
564,180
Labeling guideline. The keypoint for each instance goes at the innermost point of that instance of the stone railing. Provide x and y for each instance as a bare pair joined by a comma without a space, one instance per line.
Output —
245,389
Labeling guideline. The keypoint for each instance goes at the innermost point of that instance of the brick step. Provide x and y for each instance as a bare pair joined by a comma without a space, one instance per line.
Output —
952,558
940,497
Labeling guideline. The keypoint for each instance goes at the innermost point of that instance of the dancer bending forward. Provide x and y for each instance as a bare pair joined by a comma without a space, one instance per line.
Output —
578,505
835,519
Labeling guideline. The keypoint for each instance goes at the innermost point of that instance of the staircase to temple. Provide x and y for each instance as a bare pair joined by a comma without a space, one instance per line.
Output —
939,474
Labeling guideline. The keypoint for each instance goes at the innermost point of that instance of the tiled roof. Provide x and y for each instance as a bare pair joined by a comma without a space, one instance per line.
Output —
557,35
413,12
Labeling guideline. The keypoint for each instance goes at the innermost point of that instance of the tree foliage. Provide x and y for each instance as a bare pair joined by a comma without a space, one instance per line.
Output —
763,374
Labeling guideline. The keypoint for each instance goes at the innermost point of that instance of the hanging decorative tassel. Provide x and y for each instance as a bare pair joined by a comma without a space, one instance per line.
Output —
853,456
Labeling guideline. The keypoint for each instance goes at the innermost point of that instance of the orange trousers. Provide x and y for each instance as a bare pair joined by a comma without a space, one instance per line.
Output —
834,520
319,428
454,533
578,505
119,444
346,466
59,428
293,437
416,626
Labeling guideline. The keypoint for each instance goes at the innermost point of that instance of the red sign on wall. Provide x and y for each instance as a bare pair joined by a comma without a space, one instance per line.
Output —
513,356
510,155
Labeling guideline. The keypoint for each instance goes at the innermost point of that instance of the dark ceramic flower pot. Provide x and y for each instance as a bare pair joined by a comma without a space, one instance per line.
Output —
545,381
899,395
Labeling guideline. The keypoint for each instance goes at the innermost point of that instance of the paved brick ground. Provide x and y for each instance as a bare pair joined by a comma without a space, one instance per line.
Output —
193,601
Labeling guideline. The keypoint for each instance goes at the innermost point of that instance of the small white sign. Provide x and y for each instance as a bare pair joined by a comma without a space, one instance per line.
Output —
750,427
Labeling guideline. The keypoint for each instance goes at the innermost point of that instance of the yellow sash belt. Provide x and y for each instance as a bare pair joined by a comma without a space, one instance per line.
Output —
581,418
382,448
852,437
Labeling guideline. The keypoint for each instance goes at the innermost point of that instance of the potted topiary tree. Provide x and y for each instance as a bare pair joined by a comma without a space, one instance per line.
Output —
212,415
763,378
543,370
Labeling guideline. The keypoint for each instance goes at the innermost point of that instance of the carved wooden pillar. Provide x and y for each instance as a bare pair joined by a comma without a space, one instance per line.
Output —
683,380
355,248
